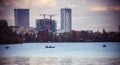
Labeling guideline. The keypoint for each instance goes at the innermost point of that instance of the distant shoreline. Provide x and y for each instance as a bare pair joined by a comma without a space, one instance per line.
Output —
56,42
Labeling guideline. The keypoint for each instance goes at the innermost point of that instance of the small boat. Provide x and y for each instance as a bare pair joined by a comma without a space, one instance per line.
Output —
7,47
49,46
104,45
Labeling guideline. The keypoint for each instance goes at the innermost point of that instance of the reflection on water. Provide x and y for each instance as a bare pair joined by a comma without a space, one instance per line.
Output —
58,61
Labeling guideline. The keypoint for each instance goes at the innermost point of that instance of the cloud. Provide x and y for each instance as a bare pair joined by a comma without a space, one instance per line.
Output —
21,3
4,2
117,8
2,8
14,3
98,8
72,6
43,3
83,2
100,5
104,8
27,3
83,17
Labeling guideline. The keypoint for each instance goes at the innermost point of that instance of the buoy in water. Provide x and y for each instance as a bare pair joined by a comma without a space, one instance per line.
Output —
7,47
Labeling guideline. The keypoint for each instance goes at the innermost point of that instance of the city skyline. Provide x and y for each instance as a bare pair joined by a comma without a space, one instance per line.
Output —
87,15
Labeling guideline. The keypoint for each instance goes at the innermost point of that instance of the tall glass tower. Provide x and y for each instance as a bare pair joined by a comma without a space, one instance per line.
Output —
21,17
66,18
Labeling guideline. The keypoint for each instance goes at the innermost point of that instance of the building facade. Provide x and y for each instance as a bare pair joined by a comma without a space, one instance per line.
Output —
46,24
66,18
21,17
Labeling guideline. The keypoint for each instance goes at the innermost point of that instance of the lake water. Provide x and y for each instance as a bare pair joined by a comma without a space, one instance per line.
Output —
92,49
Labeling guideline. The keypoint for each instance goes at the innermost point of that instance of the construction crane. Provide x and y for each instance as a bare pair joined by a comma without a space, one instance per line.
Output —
47,15
43,15
51,16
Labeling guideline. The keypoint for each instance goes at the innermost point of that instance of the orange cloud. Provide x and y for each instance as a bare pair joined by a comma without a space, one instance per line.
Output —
98,8
104,8
117,8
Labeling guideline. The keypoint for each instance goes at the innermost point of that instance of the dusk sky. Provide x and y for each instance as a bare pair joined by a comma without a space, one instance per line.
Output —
86,14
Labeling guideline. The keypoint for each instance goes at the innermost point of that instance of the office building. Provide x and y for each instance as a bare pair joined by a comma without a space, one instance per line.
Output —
46,24
21,17
66,19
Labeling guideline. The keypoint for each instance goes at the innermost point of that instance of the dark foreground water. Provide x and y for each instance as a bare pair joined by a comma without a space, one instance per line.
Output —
63,54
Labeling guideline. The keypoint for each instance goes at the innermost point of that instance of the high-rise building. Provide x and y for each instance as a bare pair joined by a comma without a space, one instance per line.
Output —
46,24
21,17
66,18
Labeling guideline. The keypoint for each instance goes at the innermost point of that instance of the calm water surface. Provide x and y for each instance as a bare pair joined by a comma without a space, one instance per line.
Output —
93,49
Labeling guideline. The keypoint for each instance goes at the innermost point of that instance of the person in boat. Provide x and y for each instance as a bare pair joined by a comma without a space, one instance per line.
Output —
50,46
